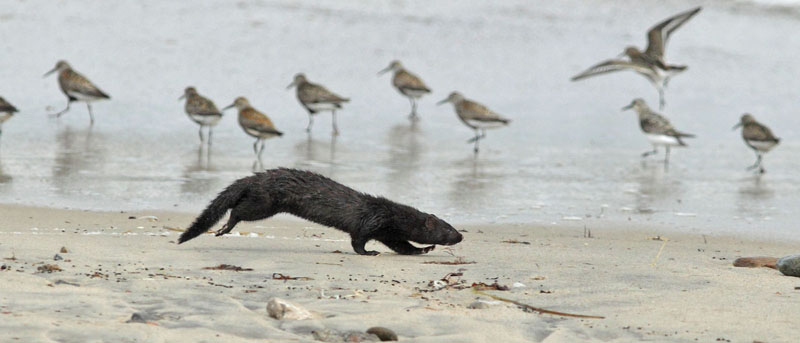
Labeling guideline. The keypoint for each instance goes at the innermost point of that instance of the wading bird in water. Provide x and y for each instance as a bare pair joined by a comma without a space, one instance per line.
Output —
77,88
758,137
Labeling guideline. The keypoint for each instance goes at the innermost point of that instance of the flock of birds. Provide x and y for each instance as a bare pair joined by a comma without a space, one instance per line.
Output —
315,98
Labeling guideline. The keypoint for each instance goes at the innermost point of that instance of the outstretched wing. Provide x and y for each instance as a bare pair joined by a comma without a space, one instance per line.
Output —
611,66
658,35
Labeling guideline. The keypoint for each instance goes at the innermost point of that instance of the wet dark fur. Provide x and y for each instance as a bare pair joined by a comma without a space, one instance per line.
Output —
324,201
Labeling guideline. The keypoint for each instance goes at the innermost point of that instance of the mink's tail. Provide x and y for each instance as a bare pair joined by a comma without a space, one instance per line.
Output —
226,200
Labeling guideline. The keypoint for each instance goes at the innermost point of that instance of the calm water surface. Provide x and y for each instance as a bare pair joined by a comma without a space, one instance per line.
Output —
569,156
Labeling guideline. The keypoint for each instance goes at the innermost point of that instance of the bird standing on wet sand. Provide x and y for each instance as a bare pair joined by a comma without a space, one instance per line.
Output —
6,112
317,98
201,110
255,124
758,137
475,115
76,87
657,129
407,84
649,63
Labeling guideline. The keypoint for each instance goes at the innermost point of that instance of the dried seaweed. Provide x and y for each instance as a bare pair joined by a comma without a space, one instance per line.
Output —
514,241
536,309
279,276
458,261
229,267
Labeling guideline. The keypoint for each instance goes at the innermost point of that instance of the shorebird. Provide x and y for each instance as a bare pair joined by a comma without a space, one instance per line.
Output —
6,112
475,115
407,84
657,129
76,87
758,137
255,124
317,98
201,110
649,63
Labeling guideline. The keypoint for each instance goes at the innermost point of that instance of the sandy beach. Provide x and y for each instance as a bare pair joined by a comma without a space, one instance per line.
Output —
649,286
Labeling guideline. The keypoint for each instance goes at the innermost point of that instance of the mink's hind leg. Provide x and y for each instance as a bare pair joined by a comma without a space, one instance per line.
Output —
249,208
405,248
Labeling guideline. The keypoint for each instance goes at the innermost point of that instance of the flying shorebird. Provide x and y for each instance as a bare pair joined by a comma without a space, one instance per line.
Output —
6,112
76,87
317,98
657,129
649,63
255,124
475,115
407,84
201,110
758,137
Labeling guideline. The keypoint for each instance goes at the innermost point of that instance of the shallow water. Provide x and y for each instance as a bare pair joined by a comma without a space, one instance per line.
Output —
569,155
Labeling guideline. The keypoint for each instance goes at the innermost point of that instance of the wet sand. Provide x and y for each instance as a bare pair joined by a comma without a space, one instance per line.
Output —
672,288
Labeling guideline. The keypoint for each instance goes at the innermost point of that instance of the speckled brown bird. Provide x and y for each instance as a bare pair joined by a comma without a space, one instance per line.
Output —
201,110
255,124
407,84
649,63
758,137
475,116
6,112
76,87
657,129
316,98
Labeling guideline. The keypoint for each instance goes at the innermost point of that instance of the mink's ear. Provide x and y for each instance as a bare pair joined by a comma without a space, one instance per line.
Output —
430,222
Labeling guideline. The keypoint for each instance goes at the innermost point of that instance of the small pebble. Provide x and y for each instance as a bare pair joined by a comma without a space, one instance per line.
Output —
478,305
57,258
284,310
790,265
383,333
136,318
64,250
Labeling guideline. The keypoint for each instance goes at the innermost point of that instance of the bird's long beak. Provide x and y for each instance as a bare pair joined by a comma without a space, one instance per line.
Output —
294,83
627,107
443,101
182,97
50,72
383,71
738,125
229,106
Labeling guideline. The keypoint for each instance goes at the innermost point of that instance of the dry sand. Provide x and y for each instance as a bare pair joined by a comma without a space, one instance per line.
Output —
118,266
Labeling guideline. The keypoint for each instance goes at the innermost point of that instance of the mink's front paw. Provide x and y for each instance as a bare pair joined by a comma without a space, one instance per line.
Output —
427,249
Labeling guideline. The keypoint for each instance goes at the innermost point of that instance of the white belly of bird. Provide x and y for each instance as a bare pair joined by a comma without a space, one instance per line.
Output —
207,120
259,134
4,117
416,94
322,106
484,124
83,97
762,145
663,140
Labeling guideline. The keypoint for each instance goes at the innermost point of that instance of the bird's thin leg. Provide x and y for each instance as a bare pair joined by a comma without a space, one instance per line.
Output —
91,116
651,152
57,115
661,101
255,147
477,140
200,133
260,149
209,135
758,162
666,158
413,115
310,122
333,121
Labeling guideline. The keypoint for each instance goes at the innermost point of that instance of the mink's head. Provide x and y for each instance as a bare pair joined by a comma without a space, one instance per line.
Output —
434,231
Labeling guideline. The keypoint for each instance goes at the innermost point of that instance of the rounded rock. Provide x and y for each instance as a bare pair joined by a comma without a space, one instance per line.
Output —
790,265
